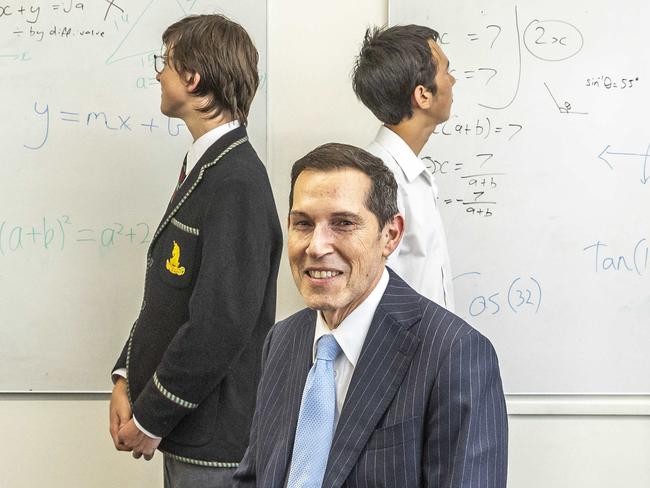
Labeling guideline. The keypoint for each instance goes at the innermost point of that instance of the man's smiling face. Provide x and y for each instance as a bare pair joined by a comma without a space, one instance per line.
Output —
336,249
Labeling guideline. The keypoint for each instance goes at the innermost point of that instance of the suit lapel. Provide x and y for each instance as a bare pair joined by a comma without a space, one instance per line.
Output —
385,359
212,156
299,355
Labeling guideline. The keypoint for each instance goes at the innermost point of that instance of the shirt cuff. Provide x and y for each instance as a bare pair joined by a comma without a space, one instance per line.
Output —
145,432
118,372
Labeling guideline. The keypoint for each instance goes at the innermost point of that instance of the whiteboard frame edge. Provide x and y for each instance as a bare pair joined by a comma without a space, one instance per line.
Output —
617,405
578,404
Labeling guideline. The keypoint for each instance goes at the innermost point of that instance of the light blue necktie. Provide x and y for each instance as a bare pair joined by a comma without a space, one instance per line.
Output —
315,428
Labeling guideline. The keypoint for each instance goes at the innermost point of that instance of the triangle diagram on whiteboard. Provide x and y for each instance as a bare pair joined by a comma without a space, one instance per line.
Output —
143,35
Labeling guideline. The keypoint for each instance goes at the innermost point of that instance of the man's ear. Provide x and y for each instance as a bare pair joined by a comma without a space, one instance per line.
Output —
422,98
192,80
392,234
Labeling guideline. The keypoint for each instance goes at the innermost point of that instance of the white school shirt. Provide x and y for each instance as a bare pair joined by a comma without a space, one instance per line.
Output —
197,150
422,258
350,334
201,145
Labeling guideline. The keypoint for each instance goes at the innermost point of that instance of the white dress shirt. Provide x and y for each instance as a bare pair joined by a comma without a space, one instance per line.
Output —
197,150
422,258
350,334
201,145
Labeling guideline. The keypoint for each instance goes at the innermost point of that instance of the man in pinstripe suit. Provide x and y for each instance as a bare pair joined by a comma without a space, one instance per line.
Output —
418,396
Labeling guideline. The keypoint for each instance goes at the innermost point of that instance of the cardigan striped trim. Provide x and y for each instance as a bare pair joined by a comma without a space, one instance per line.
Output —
190,230
200,462
128,359
170,396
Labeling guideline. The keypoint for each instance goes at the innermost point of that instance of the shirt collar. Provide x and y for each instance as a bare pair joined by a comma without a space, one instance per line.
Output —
201,145
403,155
352,332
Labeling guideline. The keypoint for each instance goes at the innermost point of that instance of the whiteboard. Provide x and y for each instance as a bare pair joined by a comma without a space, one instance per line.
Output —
543,172
88,167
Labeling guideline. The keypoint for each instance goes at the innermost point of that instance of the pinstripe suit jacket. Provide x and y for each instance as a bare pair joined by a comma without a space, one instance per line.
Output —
425,406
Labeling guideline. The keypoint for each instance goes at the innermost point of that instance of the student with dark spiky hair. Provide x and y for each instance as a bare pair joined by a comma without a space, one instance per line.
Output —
402,76
185,382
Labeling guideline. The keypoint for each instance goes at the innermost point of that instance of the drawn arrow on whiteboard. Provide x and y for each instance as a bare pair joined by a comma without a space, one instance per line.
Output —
645,177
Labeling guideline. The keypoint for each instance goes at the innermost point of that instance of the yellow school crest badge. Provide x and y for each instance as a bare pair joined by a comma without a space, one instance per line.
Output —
173,264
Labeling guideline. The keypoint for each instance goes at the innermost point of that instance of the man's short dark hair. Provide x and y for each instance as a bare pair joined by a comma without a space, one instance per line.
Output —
382,197
392,62
222,52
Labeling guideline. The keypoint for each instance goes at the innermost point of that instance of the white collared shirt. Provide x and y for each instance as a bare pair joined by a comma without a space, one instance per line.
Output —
422,258
350,334
201,145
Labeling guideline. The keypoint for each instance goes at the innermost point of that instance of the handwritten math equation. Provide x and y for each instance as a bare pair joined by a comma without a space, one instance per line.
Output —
482,128
547,40
37,12
25,21
504,44
45,117
480,186
34,24
38,22
63,232
636,260
608,82
522,294
32,13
